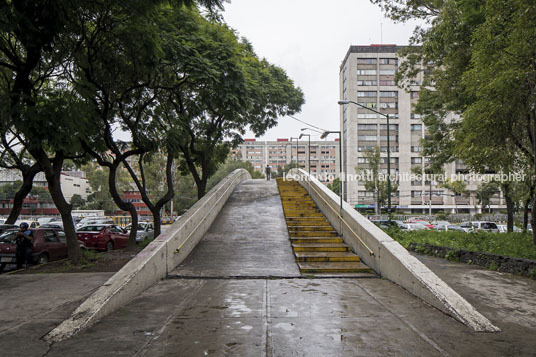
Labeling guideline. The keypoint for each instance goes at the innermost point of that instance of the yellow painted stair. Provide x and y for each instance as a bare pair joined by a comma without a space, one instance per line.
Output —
318,248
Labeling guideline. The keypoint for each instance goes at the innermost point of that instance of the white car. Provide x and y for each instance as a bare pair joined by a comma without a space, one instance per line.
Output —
413,226
145,230
94,220
448,227
485,226
503,228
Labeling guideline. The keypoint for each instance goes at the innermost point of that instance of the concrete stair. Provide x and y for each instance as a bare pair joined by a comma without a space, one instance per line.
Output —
317,246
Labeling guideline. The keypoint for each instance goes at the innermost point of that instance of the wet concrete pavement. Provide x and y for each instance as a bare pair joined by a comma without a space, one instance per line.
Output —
221,302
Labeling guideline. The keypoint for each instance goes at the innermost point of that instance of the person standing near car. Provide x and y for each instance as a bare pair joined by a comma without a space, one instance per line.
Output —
23,240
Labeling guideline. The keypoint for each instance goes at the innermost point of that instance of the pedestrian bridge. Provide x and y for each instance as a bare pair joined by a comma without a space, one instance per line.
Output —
279,262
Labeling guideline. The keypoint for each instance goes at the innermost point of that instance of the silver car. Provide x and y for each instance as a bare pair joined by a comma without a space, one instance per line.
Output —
145,230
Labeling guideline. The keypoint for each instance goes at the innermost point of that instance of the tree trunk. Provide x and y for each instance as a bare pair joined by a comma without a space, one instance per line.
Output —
28,175
509,208
201,187
157,221
52,169
533,221
125,206
526,214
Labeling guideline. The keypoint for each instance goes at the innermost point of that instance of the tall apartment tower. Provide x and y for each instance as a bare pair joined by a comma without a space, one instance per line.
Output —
367,76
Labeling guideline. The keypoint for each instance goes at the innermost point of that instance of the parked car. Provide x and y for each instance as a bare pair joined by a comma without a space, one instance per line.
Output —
93,221
484,226
413,226
48,244
503,228
45,220
421,221
467,227
102,237
31,224
439,223
384,223
145,230
5,227
448,227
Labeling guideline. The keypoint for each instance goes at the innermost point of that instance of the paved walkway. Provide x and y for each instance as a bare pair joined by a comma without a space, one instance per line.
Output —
249,301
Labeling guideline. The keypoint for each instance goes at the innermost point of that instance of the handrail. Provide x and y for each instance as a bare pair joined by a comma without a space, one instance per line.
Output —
371,253
202,220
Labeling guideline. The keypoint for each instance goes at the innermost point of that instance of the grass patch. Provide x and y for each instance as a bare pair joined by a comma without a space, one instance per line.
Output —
515,245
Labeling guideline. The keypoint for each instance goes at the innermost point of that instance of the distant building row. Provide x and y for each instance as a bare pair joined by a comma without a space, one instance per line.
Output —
323,156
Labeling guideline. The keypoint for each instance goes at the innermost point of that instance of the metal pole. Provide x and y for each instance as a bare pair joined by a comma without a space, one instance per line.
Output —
340,179
388,170
309,150
297,153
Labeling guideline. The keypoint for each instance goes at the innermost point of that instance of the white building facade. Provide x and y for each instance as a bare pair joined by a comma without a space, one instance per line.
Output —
367,76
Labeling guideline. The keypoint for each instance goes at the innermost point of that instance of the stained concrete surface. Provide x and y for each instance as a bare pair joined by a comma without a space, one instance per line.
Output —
33,304
248,238
239,308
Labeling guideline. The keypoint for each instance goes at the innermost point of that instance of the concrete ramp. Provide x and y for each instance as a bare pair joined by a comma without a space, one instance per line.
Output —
388,258
153,263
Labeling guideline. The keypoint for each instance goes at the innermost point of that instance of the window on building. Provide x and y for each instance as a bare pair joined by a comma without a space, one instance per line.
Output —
372,105
416,127
367,137
414,94
415,116
367,127
389,61
392,105
416,183
366,94
366,83
393,138
416,194
366,72
392,127
384,82
366,116
365,148
393,149
416,160
387,72
416,149
389,94
366,61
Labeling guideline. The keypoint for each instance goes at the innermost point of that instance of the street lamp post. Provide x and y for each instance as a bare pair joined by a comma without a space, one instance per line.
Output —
309,152
343,102
324,134
291,156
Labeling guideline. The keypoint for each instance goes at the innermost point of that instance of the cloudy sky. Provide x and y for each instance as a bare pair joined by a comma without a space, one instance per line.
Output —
309,39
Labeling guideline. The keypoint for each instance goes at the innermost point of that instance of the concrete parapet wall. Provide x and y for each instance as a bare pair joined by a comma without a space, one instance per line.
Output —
154,262
388,258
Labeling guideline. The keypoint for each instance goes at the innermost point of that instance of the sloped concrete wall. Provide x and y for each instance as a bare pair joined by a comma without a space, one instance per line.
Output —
154,262
389,259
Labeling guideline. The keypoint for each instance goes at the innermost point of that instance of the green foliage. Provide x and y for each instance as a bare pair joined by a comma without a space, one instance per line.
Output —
282,171
100,197
77,201
335,186
374,181
516,245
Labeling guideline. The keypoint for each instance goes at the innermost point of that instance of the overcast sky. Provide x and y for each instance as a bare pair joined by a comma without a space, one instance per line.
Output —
309,39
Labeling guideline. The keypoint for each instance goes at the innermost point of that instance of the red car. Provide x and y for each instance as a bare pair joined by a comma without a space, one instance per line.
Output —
102,237
48,244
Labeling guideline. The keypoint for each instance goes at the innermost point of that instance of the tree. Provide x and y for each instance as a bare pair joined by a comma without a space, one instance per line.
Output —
457,187
282,171
228,90
77,201
484,193
335,186
479,56
374,179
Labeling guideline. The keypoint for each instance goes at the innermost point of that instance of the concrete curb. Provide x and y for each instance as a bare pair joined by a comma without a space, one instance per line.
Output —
153,263
389,259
